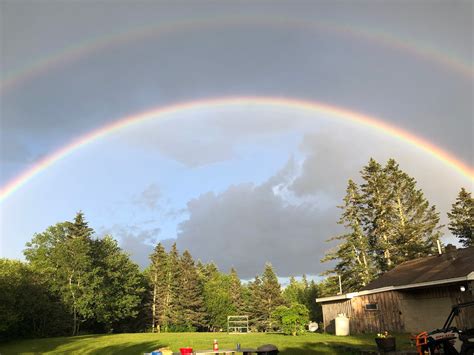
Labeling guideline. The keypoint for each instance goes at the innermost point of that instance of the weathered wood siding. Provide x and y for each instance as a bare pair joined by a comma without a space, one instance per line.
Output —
386,317
331,310
401,311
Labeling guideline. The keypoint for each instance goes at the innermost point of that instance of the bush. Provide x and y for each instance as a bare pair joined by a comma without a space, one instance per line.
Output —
293,319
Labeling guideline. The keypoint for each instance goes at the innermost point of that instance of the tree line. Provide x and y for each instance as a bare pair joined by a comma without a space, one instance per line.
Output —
74,282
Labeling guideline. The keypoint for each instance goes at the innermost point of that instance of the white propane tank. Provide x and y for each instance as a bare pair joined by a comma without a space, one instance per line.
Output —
342,325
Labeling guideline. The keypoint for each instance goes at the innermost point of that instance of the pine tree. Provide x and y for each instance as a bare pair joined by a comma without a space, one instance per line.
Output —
190,297
461,218
270,293
256,309
218,301
388,221
355,261
171,307
236,293
399,222
376,214
157,280
79,228
415,224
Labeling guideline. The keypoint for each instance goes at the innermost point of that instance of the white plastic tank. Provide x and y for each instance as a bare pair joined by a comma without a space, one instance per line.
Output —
342,325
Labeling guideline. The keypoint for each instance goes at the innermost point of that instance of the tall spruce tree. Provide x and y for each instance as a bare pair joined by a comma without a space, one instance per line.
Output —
355,259
171,307
388,221
236,293
461,218
270,295
256,309
218,301
189,298
376,214
415,224
157,278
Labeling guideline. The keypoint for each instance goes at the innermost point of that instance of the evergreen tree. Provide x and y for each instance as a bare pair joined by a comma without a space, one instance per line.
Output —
158,280
294,292
388,221
415,224
80,228
218,301
172,310
256,310
237,294
190,297
376,215
270,295
355,263
461,218
315,309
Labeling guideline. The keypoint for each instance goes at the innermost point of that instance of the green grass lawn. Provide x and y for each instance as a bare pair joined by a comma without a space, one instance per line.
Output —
145,342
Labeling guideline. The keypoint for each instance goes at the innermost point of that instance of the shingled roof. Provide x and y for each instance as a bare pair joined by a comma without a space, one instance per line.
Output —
455,263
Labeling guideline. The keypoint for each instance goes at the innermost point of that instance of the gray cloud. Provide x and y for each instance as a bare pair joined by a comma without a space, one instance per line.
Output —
76,96
135,240
149,197
247,225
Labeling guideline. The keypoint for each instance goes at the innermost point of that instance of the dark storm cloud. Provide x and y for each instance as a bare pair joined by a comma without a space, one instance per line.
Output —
247,225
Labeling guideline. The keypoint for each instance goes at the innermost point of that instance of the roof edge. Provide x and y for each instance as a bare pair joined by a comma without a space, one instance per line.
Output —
351,295
346,296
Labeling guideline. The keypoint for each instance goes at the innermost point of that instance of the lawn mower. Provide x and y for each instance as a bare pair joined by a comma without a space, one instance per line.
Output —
450,340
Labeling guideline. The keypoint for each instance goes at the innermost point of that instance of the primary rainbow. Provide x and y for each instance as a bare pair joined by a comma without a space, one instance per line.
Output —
161,112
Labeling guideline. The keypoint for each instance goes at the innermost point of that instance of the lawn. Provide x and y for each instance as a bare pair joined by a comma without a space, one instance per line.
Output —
145,342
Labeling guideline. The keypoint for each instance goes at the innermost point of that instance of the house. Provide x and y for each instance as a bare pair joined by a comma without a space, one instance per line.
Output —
415,296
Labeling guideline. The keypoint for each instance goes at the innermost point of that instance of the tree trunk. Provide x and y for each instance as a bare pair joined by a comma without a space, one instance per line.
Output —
153,308
74,311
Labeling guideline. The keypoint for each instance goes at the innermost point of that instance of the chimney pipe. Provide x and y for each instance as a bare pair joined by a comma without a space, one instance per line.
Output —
439,247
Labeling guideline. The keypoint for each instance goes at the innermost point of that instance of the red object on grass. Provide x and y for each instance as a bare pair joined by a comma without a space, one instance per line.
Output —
186,350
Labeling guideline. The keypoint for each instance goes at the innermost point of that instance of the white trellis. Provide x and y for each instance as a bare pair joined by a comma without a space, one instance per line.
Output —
237,324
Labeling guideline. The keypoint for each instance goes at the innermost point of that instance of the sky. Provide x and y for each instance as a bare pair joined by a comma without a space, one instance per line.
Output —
236,172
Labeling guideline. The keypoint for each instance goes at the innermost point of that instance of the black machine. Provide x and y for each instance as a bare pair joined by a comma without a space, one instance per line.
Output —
449,339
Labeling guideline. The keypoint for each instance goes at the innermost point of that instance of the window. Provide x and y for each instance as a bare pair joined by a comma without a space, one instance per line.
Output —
371,306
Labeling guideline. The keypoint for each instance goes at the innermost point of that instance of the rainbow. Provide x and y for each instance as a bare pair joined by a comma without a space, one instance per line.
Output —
273,102
76,51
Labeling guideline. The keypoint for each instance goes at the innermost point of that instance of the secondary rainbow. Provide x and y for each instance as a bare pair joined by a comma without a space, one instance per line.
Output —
84,48
274,102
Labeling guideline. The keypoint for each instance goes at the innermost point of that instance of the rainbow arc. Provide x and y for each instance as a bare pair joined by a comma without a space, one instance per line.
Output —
332,111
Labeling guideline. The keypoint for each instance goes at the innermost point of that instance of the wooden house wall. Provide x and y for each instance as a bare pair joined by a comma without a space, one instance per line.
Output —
332,309
392,312
386,317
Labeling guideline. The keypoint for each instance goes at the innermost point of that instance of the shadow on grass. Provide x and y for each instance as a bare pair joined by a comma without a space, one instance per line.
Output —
128,348
321,348
39,345
77,345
